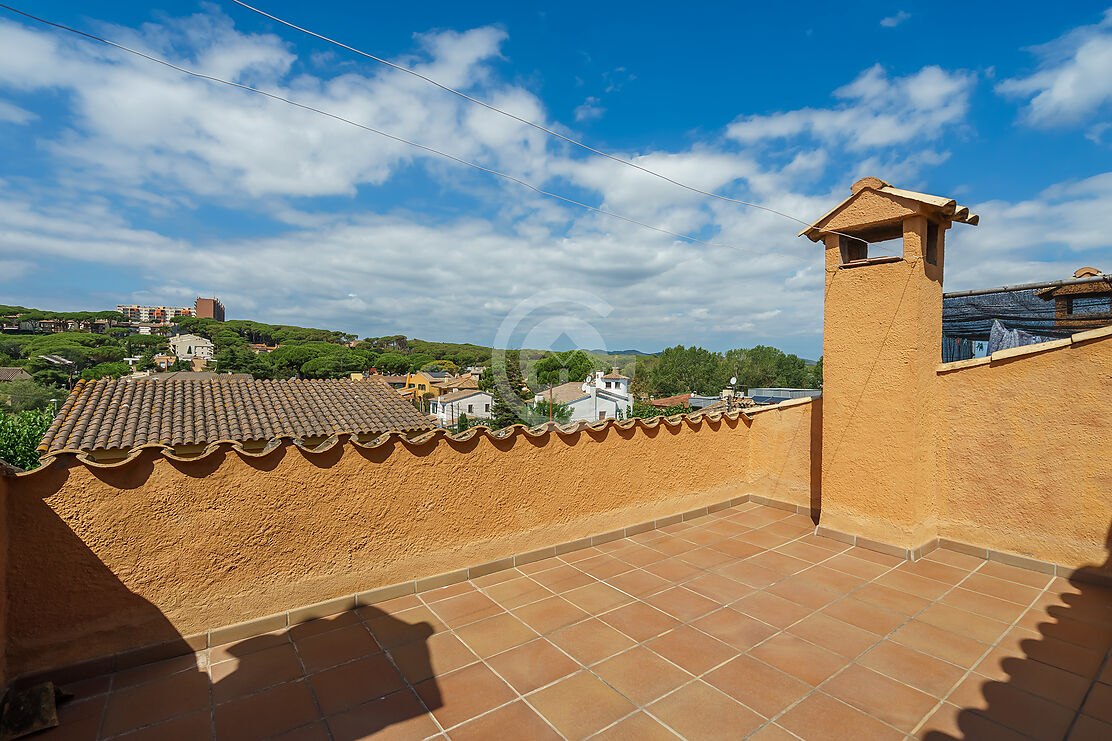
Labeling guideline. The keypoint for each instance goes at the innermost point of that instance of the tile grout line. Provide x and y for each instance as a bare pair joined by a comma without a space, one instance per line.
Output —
309,686
1093,682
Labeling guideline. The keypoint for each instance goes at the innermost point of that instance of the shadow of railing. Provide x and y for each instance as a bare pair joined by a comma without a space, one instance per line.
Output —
1059,684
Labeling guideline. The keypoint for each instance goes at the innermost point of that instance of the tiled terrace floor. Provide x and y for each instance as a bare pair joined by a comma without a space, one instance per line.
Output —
739,624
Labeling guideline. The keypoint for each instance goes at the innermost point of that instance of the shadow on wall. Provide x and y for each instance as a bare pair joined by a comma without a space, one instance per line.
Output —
359,672
1049,677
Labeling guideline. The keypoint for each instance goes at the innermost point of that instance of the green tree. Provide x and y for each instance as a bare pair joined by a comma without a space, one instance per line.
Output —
106,370
463,423
392,363
441,366
418,361
680,370
20,434
24,395
563,367
146,361
540,412
815,379
239,359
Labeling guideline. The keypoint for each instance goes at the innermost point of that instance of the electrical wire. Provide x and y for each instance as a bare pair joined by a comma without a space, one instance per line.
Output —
393,137
535,125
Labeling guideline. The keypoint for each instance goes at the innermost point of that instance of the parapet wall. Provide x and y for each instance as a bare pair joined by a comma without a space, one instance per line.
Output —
107,558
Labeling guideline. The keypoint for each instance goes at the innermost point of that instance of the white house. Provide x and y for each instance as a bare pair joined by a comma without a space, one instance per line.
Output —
602,396
447,408
189,346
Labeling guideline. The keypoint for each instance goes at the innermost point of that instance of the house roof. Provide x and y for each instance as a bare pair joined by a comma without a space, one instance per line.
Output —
124,415
938,206
615,375
461,394
194,375
671,401
14,374
191,339
565,393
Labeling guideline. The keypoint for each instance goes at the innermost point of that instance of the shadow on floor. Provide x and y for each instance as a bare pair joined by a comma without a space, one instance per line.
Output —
1051,677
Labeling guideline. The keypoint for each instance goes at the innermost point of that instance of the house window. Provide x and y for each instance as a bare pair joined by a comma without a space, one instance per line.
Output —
602,415
470,408
608,384
853,249
932,243
488,407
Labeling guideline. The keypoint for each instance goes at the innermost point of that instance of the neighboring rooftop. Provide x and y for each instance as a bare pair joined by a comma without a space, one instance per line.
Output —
671,401
194,375
14,374
117,416
565,393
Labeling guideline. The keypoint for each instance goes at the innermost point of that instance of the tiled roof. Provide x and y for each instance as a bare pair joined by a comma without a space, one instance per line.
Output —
671,401
195,376
615,375
457,395
565,393
123,415
14,374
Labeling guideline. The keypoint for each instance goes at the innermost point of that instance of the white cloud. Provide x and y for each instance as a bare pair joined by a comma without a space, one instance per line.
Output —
894,20
1072,82
878,111
10,113
589,110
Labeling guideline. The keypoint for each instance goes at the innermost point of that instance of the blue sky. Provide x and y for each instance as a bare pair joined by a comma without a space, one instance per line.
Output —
121,181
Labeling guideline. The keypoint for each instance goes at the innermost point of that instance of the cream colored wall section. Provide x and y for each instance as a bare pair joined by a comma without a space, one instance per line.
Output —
106,559
1025,445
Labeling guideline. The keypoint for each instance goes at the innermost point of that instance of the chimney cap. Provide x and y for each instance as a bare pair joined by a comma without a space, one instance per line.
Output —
1086,272
867,182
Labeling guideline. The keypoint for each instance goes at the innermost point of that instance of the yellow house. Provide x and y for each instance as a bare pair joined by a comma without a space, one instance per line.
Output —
425,384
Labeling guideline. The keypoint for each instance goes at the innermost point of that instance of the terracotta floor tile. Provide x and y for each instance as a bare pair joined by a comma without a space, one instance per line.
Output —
189,727
1013,573
392,718
239,649
563,578
956,649
638,583
550,614
1001,589
854,566
920,586
266,713
832,579
736,548
155,701
438,654
1044,680
751,574
691,649
1068,656
953,722
966,623
868,617
820,717
773,732
881,558
675,570
544,564
721,589
1089,635
706,558
637,727
581,554
603,567
596,598
828,544
1011,707
482,582
580,705
804,551
443,593
804,592
494,635
884,698
77,721
639,620
455,612
639,555
354,683
933,676
532,665
404,627
699,711
641,675
982,604
1088,728
702,536
934,570
590,641
159,670
757,685
674,546
256,671
323,625
799,658
834,635
396,605
682,603
779,562
953,558
464,694
732,627
891,599
763,538
323,650
769,608
517,592
514,721
313,732
1099,704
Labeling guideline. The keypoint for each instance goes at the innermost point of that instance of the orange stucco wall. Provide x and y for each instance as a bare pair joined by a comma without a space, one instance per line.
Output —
104,559
1025,446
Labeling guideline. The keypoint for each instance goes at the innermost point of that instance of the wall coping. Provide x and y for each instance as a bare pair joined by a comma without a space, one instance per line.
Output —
1077,338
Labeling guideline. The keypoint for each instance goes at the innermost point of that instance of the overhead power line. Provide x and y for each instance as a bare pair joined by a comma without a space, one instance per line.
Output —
426,148
534,124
